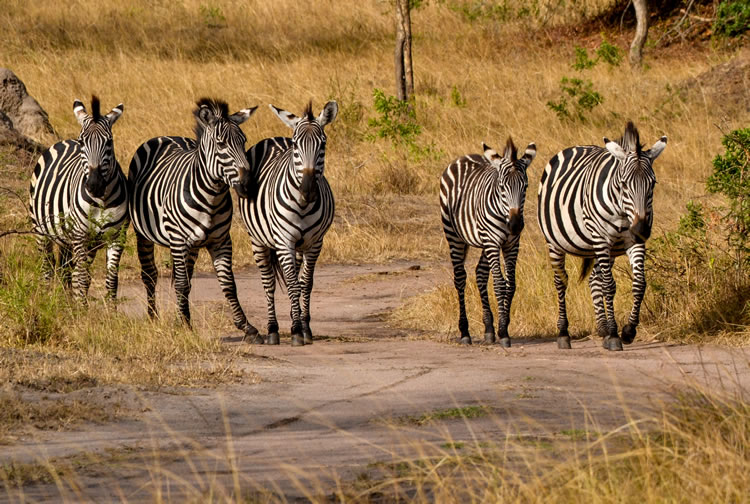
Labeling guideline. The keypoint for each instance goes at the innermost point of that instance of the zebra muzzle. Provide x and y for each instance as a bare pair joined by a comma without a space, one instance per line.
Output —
308,189
95,183
515,221
640,230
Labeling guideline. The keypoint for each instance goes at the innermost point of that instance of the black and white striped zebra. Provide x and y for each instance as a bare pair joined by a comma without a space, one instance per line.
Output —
79,200
290,213
481,203
597,203
180,199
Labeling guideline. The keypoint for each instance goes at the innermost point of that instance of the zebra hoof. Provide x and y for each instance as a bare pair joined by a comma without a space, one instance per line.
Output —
563,342
602,331
307,337
505,342
254,339
465,340
273,338
613,344
628,334
298,340
489,338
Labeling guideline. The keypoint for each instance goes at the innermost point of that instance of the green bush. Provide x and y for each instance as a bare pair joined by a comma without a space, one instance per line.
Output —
732,18
578,99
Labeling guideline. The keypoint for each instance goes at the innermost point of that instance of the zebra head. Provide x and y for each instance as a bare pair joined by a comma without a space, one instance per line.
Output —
222,143
308,147
512,181
97,147
635,179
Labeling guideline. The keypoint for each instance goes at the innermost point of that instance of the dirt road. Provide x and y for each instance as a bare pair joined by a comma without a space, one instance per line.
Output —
326,411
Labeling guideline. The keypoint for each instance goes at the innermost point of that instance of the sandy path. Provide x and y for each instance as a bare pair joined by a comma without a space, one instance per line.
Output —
320,408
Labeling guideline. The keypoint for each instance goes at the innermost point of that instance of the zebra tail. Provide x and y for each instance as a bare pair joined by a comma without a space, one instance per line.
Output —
277,271
587,264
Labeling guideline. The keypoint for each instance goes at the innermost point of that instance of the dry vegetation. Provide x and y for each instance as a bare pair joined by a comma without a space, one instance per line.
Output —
476,81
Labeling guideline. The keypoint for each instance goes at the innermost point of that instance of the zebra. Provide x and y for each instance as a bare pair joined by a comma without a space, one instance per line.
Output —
78,199
481,204
290,213
180,199
597,203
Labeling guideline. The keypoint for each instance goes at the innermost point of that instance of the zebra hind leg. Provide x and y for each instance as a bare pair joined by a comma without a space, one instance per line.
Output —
483,276
557,261
458,256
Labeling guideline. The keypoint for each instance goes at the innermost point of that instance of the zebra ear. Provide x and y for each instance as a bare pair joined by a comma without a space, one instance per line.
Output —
490,154
115,114
206,116
328,114
242,116
615,149
529,155
287,118
79,109
656,149
510,152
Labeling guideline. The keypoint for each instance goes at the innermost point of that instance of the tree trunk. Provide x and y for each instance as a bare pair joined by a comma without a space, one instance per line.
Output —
402,55
641,32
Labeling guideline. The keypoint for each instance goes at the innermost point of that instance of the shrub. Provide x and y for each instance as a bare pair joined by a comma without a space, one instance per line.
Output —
732,18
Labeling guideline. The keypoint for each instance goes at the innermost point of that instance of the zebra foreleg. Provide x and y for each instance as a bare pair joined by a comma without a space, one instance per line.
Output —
636,256
114,254
483,276
221,256
66,266
83,256
45,247
149,272
287,261
510,256
557,261
493,256
458,256
612,340
306,285
181,281
600,312
262,256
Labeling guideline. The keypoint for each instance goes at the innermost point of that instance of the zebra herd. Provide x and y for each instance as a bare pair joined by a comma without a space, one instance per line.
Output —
594,202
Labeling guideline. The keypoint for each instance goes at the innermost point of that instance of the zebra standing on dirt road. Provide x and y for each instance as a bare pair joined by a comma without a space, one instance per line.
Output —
79,200
481,203
290,213
597,203
180,199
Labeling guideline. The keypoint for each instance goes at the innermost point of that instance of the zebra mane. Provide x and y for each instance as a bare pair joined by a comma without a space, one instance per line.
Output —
631,140
95,108
308,111
218,107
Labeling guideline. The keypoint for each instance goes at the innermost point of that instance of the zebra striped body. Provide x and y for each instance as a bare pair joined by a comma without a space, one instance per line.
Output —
180,199
79,200
481,203
290,214
597,203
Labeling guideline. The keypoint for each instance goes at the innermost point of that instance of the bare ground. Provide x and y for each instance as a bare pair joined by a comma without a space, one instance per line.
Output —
327,411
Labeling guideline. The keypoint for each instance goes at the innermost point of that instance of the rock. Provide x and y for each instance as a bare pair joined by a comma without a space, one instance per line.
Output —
10,137
726,85
27,116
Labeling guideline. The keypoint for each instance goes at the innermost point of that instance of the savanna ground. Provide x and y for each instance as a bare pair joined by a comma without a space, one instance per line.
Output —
98,405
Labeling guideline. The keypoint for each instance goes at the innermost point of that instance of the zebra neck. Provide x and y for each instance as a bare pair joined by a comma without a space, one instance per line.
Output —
201,179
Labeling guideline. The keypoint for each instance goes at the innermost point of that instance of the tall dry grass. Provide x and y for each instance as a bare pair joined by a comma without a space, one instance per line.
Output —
159,57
